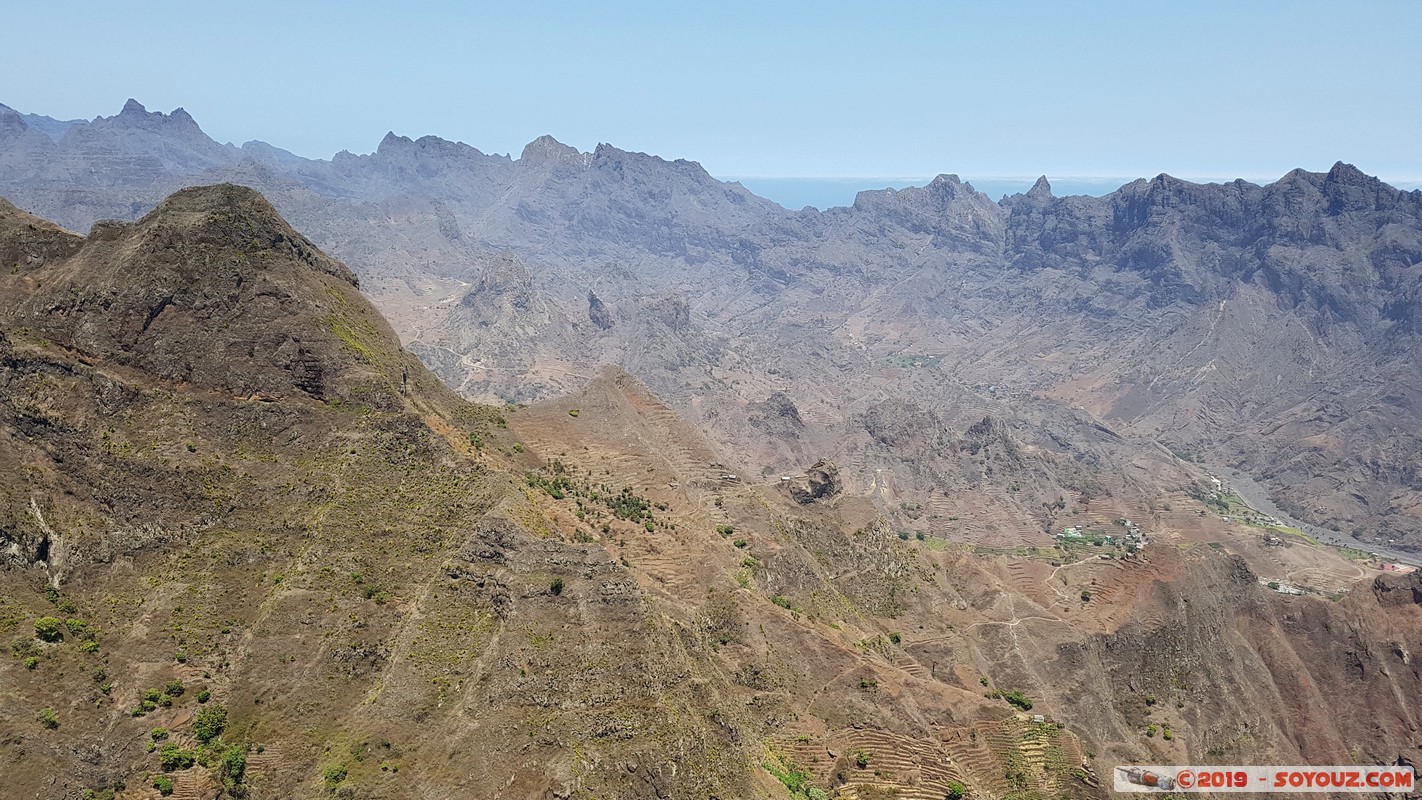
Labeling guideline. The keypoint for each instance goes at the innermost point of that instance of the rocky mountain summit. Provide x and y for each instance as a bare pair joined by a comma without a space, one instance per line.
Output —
251,547
1265,331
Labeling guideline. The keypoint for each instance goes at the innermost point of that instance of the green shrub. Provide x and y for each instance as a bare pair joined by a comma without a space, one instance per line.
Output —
956,790
1085,596
89,646
232,768
1013,696
741,543
163,784
78,627
725,530
1151,729
174,688
556,587
861,759
48,718
203,696
31,662
47,629
896,637
779,600
333,775
171,757
209,722
158,734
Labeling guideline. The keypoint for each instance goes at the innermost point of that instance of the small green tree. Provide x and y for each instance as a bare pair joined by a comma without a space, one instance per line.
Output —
209,722
333,775
47,629
171,756
163,784
956,790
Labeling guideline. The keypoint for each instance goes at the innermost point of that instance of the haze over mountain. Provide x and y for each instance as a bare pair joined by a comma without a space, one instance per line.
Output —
253,548
1270,329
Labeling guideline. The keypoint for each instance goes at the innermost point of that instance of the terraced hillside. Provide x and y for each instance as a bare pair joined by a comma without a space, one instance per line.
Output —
251,547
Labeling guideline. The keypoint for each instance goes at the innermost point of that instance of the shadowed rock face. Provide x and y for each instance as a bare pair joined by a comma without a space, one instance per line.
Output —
821,482
1268,329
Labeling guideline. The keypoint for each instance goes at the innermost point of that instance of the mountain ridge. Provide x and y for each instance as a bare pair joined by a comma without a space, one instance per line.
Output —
1164,308
390,592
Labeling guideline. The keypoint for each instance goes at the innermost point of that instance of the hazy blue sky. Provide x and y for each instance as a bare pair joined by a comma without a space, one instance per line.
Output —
1197,89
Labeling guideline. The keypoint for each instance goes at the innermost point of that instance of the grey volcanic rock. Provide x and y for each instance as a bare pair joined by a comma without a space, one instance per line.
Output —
1273,329
597,311
820,482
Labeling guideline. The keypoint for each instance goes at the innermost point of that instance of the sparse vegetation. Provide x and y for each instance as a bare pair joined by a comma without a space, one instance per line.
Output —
795,777
1013,696
209,722
334,775
48,717
173,757
47,629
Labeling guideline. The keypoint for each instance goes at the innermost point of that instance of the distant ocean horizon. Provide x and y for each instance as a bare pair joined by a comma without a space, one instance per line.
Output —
823,193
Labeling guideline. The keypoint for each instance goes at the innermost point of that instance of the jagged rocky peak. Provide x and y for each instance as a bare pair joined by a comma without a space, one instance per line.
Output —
239,217
134,115
503,275
213,288
546,149
617,159
1348,174
395,145
598,312
1041,190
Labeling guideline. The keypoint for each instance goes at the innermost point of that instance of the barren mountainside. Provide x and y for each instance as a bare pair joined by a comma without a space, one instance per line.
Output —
1268,332
252,547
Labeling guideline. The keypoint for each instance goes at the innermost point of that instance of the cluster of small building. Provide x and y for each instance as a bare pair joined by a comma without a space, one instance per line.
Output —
1133,540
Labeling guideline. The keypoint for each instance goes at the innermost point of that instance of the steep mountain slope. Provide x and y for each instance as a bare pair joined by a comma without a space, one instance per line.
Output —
1265,331
230,488
225,472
